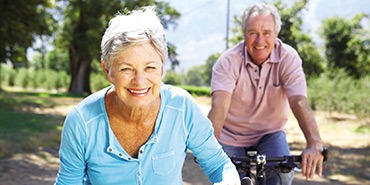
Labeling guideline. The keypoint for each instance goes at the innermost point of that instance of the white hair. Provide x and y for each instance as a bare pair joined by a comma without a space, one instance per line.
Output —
262,9
138,27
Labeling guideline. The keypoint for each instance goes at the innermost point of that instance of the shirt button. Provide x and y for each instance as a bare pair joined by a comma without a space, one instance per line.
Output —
129,158
141,151
138,173
120,154
110,150
255,71
155,139
260,87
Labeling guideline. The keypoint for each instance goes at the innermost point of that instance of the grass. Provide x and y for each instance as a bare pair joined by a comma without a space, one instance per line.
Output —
25,125
364,129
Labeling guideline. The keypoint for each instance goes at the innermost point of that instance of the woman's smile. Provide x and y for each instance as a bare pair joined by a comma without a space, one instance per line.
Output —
139,92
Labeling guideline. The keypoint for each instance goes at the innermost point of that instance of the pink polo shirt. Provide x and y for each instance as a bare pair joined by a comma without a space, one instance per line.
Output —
259,103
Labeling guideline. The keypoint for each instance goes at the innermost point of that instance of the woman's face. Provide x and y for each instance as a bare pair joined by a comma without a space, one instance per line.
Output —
260,37
136,74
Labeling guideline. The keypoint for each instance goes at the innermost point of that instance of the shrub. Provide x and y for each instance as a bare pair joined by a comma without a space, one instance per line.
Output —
340,93
98,81
197,91
23,78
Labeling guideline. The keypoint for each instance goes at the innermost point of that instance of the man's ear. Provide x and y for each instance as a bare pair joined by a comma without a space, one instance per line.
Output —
106,71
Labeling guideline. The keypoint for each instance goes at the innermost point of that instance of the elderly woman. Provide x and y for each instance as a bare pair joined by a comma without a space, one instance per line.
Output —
138,130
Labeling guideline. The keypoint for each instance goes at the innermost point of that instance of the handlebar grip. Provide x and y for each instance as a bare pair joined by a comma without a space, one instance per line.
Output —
325,153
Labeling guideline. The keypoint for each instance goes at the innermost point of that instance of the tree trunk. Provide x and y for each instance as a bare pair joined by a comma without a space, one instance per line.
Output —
1,78
80,80
80,57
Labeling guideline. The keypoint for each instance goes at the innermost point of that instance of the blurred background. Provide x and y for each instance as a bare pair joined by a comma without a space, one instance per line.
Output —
50,60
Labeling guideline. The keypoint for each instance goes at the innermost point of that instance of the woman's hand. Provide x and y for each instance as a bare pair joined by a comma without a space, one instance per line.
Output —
230,179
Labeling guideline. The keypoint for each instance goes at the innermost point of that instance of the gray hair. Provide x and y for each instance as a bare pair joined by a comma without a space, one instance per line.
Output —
140,26
262,9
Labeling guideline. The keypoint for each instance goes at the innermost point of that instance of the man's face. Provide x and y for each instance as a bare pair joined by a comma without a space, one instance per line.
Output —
260,37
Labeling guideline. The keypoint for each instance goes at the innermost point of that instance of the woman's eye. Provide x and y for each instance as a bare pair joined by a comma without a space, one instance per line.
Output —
125,69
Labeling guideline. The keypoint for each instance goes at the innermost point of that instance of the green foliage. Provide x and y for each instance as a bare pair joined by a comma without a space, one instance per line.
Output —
197,91
236,31
207,71
201,75
57,60
340,92
10,77
291,33
291,19
313,64
365,129
172,78
347,45
172,56
31,78
195,76
98,81
23,77
21,21
47,79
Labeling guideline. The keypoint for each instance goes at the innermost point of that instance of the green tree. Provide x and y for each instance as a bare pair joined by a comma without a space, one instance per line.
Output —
194,76
172,56
21,22
207,68
172,77
347,45
291,33
84,24
236,31
57,60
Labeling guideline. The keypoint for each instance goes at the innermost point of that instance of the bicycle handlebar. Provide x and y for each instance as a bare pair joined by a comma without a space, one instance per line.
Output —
294,158
285,164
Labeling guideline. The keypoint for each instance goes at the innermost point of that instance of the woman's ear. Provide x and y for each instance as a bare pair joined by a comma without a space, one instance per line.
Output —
106,71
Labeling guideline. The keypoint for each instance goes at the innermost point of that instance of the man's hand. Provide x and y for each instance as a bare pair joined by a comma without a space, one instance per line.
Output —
312,159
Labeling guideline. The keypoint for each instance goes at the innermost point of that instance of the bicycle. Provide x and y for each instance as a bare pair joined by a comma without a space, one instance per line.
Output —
258,161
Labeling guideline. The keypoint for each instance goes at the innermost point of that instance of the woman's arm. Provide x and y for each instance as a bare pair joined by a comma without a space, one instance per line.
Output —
71,152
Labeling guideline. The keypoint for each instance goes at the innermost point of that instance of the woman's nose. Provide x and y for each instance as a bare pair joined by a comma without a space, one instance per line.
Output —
139,77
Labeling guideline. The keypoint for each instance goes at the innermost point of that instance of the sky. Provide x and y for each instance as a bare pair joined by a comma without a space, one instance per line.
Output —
201,30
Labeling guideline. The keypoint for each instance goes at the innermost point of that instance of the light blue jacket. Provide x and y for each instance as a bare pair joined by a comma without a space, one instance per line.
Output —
90,152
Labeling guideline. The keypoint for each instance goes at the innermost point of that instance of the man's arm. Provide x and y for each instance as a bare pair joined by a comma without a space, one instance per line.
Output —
219,108
312,155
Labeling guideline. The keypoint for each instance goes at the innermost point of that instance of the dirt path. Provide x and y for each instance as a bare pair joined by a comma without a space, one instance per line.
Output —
348,163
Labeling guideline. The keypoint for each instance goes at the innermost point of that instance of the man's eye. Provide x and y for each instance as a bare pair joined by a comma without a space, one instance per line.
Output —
252,34
151,68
